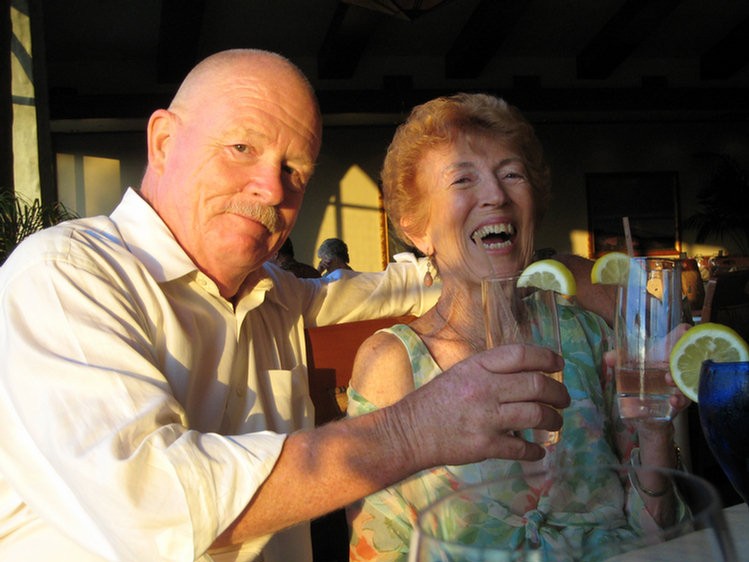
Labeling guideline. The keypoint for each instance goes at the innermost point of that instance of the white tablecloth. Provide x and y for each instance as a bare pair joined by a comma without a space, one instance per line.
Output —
699,545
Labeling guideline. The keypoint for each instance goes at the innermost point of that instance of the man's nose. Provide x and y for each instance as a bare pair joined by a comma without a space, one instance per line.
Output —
267,183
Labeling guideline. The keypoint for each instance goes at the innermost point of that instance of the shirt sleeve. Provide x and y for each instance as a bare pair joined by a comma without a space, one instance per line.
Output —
83,405
347,296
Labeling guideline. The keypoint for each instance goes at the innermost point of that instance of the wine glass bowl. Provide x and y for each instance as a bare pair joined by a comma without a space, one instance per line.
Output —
724,416
571,514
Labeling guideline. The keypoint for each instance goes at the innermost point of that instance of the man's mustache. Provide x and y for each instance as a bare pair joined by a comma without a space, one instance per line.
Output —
266,215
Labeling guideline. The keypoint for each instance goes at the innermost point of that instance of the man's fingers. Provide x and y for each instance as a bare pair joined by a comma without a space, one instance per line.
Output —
516,358
527,388
470,412
510,446
517,416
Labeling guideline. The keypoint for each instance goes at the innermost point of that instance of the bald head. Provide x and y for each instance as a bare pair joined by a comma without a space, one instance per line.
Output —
226,68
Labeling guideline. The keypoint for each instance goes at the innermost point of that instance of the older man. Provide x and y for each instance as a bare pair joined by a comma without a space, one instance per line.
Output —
153,395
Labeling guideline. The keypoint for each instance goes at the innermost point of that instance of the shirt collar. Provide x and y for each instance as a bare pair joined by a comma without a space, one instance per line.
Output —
149,239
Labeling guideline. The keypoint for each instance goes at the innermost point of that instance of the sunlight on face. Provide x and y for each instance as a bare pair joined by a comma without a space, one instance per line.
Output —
480,207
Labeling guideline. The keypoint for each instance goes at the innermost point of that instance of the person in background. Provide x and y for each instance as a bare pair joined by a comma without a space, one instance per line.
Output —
333,254
465,181
285,259
153,387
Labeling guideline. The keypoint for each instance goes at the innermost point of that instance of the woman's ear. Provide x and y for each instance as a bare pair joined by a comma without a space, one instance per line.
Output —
422,240
160,132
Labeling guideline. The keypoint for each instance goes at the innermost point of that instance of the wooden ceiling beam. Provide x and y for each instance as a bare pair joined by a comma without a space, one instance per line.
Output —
634,22
179,36
481,37
345,41
69,105
728,56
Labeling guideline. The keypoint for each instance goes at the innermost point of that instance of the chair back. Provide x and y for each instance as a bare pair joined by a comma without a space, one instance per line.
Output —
330,359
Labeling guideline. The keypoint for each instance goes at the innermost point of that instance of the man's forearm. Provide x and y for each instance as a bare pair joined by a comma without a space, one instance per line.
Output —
323,469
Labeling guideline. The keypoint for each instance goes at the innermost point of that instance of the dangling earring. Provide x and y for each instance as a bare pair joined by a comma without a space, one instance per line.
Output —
428,279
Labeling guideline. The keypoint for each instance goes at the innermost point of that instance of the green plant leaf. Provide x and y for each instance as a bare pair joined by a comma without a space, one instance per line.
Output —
20,218
724,200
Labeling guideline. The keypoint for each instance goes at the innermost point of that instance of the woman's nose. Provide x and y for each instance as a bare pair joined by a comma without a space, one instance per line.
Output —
492,193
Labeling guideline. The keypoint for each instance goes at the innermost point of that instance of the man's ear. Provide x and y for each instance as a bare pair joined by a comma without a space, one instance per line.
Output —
160,132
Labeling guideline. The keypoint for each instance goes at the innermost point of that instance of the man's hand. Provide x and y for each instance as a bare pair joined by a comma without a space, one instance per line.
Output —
469,413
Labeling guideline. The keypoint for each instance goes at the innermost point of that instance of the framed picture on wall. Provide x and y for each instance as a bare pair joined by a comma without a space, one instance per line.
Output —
649,199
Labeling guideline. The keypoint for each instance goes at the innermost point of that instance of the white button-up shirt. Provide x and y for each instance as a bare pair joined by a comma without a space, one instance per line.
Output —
140,410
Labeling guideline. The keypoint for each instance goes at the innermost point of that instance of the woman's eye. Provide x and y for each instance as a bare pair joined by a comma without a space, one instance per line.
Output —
513,176
462,180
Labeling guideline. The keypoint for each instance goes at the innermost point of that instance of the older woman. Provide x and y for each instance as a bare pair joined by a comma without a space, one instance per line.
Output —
464,179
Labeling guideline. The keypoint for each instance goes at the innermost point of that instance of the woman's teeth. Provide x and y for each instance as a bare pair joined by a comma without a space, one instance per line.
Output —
494,236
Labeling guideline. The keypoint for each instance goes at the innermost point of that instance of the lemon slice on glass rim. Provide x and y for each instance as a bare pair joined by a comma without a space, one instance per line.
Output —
610,269
549,275
705,341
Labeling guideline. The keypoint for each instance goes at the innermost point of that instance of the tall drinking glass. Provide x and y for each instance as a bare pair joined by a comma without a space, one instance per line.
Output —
570,515
724,415
526,315
648,311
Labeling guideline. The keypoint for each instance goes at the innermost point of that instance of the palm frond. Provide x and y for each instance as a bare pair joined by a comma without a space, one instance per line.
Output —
724,201
20,218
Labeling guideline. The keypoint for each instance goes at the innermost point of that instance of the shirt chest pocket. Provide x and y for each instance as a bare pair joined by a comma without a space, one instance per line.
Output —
293,408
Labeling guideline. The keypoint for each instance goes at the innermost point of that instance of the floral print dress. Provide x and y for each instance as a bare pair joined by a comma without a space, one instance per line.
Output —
592,435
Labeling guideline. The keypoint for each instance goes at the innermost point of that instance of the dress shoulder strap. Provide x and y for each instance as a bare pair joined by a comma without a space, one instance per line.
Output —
423,365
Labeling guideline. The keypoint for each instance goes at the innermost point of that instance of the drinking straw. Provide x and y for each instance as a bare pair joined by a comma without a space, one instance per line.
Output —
628,237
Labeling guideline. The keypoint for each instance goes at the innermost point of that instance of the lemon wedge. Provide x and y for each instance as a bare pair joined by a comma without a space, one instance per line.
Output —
705,341
549,275
610,269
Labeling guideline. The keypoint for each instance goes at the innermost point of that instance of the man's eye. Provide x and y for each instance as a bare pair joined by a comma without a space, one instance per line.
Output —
243,148
296,178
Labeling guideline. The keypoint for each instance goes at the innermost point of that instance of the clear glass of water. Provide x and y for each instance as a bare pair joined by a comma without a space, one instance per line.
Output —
648,311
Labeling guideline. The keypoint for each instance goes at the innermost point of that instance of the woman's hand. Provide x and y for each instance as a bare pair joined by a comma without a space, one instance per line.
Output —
677,400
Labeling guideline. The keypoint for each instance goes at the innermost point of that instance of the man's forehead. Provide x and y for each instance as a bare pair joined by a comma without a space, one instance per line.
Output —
255,118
